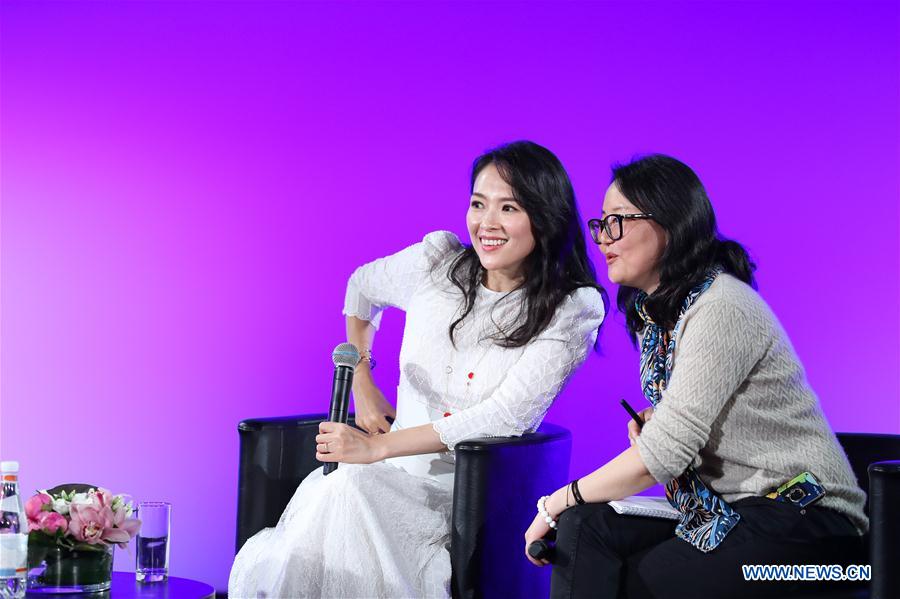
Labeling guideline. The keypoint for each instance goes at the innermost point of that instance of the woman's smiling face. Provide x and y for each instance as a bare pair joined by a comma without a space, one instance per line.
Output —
500,230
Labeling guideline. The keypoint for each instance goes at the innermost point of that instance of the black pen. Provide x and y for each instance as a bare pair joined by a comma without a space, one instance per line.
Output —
634,415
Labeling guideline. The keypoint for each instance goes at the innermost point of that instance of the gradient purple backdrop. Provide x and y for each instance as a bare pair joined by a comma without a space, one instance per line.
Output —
187,186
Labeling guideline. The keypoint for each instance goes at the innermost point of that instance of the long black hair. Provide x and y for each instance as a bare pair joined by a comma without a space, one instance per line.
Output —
672,192
558,264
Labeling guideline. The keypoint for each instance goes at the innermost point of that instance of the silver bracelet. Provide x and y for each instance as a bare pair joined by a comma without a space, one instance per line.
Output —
365,355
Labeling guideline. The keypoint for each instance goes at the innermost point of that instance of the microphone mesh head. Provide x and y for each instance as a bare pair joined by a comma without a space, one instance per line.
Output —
345,354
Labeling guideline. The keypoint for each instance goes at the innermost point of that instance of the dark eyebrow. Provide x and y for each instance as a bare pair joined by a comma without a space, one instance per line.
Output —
505,199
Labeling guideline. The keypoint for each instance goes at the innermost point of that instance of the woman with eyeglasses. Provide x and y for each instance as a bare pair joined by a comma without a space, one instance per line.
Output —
493,330
732,420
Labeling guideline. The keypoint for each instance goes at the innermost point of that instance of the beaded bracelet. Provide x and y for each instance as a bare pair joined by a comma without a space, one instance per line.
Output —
542,510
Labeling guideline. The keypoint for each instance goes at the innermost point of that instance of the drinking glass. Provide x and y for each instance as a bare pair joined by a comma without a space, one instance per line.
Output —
153,541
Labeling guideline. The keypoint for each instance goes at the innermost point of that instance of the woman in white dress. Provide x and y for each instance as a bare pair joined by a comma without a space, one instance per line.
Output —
493,331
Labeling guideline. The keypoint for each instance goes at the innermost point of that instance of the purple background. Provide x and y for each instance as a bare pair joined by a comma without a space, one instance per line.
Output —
187,186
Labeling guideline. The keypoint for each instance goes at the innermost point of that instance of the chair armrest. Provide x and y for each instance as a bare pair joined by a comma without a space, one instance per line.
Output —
276,454
496,487
884,528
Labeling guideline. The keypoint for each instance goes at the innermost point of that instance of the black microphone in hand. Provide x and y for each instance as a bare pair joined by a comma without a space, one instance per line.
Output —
345,357
543,548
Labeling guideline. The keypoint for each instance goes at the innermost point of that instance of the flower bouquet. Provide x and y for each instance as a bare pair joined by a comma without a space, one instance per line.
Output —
72,530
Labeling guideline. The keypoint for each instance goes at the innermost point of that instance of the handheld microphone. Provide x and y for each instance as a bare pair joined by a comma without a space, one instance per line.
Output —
541,549
544,548
345,357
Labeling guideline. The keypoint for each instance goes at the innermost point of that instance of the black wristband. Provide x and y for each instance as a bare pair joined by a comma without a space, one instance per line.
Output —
576,493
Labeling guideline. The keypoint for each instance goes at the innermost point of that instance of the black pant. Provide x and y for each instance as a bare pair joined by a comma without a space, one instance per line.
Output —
600,553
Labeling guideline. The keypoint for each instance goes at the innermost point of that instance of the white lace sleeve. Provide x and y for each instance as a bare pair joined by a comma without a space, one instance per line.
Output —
523,398
391,281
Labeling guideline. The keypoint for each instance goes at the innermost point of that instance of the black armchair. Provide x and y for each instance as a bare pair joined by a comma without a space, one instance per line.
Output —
496,485
875,460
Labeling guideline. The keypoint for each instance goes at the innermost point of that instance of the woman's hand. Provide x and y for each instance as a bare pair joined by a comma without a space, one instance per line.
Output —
556,504
633,429
538,530
372,409
337,442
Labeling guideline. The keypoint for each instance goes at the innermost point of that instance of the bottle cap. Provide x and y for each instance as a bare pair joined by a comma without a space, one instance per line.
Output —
9,466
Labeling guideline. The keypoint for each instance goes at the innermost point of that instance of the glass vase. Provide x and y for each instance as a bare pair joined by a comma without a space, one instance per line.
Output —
56,569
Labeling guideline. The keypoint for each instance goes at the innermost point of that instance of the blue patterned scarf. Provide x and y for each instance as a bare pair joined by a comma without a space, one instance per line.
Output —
705,517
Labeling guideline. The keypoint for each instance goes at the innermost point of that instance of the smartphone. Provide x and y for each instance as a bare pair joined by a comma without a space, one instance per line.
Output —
802,490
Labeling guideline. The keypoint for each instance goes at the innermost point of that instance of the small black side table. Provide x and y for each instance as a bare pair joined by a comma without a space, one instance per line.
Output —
124,586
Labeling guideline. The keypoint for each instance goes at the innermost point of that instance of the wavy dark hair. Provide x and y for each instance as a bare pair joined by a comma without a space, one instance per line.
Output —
558,264
672,192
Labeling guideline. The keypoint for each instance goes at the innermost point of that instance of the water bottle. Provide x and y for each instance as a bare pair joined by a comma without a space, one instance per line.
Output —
13,534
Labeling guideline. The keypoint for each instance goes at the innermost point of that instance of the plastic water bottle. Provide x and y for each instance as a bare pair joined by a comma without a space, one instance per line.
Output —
13,534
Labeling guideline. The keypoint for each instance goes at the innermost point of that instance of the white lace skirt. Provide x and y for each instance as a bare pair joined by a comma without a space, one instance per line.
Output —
363,531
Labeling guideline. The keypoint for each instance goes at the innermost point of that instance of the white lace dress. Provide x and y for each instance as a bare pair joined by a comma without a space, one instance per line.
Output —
383,530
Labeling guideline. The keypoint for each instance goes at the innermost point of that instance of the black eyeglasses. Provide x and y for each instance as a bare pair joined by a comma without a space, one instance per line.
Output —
612,225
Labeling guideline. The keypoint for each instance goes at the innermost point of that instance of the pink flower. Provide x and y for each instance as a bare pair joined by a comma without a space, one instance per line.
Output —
34,507
101,525
50,522
103,497
123,533
89,523
125,529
